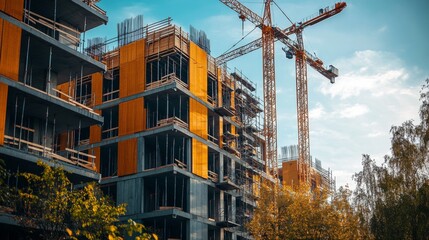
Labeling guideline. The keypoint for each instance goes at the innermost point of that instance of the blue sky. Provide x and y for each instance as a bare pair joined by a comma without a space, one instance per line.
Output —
380,47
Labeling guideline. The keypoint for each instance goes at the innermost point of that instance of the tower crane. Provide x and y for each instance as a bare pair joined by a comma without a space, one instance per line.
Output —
269,83
302,57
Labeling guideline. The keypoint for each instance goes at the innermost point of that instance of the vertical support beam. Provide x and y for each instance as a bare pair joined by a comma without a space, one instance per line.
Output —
140,154
22,122
26,60
48,85
46,129
221,163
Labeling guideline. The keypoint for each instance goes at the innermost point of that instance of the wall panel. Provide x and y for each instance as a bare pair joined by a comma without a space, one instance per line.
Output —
198,71
200,164
127,156
199,118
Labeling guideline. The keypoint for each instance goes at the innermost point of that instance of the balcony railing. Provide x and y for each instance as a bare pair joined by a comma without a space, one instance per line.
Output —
73,157
92,3
66,33
165,80
65,97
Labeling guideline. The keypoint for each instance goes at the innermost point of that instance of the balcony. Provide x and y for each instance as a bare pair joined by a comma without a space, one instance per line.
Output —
166,80
69,156
226,183
83,15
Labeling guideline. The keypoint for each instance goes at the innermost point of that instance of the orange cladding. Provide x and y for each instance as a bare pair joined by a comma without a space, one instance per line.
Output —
132,115
127,151
10,43
198,71
200,164
197,111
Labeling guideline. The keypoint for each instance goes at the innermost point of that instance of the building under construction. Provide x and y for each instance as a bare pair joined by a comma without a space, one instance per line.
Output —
181,142
288,170
41,48
148,113
167,131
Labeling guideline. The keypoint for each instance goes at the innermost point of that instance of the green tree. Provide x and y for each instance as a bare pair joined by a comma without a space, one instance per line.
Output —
392,198
299,213
7,194
49,203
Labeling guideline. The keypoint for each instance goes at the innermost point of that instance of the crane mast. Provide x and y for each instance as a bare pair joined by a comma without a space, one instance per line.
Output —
302,111
269,82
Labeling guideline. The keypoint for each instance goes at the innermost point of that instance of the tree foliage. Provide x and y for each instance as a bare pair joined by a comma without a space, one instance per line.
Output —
49,203
392,198
299,213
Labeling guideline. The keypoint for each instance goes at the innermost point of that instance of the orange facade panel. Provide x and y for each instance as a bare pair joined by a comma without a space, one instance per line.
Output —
94,137
3,105
200,158
290,173
10,50
132,117
14,8
198,114
10,42
132,68
198,71
127,155
66,88
97,88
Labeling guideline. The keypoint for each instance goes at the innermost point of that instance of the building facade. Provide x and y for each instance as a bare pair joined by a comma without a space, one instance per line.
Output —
181,142
42,47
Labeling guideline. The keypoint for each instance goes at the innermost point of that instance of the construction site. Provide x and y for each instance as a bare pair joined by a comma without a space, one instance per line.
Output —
164,127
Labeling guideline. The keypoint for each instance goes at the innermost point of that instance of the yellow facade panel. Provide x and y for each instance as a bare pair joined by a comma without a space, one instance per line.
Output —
198,114
200,164
198,71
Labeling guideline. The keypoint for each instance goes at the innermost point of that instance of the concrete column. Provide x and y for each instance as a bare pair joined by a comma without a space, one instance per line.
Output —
221,166
189,153
140,154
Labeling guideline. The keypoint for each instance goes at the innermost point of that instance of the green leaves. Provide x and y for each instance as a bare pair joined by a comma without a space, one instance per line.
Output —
392,198
49,203
299,213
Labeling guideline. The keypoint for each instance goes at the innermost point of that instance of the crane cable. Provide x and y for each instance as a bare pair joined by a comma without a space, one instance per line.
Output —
282,12
239,40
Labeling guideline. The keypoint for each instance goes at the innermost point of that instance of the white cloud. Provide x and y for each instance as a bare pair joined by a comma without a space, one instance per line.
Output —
374,72
317,112
353,111
375,91
375,134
